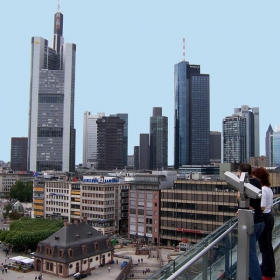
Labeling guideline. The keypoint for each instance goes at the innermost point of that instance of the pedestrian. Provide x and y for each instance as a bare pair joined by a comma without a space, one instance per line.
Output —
265,240
35,277
109,268
141,260
6,269
138,261
254,266
143,271
117,261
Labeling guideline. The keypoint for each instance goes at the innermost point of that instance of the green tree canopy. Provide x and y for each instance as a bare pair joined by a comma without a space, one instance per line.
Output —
7,209
29,232
22,191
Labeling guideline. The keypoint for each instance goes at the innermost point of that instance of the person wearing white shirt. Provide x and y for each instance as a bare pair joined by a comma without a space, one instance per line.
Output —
265,239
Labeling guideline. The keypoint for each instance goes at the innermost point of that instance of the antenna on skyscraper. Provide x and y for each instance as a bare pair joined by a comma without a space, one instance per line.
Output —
58,6
184,47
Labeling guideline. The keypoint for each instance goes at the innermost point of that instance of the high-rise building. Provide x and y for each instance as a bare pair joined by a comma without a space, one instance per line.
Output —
215,144
144,151
192,115
268,134
158,140
51,107
90,139
136,157
125,135
275,147
252,130
234,139
19,153
110,143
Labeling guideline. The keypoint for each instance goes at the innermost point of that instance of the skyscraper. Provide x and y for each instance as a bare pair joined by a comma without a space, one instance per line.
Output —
51,107
215,144
252,129
192,115
268,134
275,147
158,140
234,139
125,135
110,143
90,139
19,153
144,151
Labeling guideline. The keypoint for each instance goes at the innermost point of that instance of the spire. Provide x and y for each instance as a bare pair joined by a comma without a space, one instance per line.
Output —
184,47
58,29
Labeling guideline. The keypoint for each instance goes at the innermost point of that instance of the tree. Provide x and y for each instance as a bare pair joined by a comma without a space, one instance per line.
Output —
7,209
22,191
14,215
29,232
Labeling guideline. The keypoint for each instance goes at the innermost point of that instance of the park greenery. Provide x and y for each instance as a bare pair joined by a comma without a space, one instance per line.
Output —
22,191
29,232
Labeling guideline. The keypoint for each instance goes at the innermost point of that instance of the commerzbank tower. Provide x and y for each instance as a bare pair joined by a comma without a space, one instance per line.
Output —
51,132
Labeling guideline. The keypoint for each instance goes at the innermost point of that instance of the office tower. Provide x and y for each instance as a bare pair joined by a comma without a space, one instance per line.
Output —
192,115
158,140
125,135
136,157
275,147
268,134
234,139
51,107
19,153
144,151
110,143
215,146
90,139
252,130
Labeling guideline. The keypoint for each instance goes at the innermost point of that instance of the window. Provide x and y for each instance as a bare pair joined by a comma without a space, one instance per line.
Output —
49,266
60,269
96,246
70,253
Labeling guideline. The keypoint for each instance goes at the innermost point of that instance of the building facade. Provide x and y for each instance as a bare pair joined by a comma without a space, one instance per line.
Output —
191,116
110,143
136,157
51,132
215,147
19,153
251,116
90,139
275,147
125,135
158,140
144,151
234,139
268,134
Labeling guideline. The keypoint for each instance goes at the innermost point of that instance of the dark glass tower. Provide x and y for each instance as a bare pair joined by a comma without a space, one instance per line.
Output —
51,132
110,143
192,115
158,140
19,153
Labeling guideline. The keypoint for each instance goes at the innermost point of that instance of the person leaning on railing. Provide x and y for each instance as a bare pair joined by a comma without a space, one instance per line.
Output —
265,240
255,272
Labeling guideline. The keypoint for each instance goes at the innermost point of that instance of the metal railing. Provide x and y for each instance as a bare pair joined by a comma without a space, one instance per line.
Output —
215,257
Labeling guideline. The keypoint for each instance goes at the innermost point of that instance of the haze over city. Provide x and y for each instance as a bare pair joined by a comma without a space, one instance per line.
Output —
126,51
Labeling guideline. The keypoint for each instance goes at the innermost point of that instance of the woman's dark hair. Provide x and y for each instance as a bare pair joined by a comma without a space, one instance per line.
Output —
262,174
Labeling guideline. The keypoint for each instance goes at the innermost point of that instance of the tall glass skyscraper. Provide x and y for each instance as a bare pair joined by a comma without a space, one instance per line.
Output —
51,135
192,115
158,140
234,139
275,147
90,139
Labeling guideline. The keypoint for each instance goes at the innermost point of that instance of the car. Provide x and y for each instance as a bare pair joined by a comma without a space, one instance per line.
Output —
123,264
80,275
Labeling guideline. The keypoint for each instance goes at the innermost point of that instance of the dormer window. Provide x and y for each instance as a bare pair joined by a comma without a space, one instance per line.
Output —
96,246
84,248
70,253
60,253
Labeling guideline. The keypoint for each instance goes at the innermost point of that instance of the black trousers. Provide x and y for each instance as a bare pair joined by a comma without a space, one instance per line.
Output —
265,243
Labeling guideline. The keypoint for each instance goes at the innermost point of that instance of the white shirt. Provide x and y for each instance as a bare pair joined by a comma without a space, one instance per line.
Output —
267,199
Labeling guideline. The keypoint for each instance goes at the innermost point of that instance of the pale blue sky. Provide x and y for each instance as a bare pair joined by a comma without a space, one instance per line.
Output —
126,51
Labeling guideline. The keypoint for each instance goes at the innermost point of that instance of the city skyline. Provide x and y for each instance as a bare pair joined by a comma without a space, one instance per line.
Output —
125,60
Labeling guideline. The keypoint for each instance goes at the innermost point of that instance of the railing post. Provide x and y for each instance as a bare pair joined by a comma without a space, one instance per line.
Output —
245,228
205,263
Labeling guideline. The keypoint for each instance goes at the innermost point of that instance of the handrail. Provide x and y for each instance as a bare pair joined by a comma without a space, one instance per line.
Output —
200,254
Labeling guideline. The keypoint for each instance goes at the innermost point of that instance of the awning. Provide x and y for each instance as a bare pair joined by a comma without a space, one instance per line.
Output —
18,258
27,260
